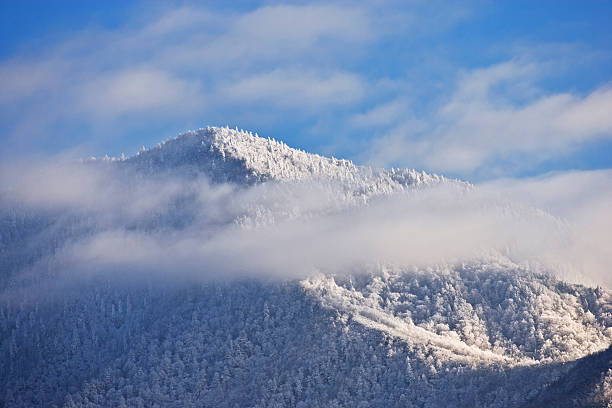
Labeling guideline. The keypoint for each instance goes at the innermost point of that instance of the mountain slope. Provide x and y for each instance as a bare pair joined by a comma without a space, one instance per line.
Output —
587,384
239,156
260,343
217,270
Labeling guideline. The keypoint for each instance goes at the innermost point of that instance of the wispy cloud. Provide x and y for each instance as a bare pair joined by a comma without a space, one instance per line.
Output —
295,89
375,83
290,33
385,114
178,63
497,117
137,90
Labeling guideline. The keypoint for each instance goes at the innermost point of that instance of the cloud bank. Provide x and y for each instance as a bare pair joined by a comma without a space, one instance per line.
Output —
368,82
186,228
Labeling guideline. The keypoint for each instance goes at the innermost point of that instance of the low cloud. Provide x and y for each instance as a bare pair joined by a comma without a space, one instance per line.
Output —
178,227
170,68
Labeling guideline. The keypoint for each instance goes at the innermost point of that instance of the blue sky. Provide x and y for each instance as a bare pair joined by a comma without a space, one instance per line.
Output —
477,90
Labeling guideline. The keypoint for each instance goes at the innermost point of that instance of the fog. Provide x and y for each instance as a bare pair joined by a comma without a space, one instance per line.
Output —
176,227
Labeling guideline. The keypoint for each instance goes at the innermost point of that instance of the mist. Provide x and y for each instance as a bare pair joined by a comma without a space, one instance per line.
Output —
177,227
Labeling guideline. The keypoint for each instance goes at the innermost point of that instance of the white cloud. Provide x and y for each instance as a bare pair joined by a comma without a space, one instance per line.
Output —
584,200
188,64
498,115
277,34
588,117
451,226
177,20
192,39
296,89
387,113
193,66
23,79
136,90
314,227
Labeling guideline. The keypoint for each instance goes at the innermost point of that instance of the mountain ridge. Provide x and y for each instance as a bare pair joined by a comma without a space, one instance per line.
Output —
261,159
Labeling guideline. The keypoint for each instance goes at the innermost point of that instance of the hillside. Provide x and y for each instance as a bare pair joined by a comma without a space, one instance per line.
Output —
236,155
587,384
225,269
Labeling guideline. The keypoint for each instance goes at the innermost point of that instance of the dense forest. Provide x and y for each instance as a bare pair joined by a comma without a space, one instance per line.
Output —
177,278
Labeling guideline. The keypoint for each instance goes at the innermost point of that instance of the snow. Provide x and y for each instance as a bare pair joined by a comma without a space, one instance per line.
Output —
144,332
268,159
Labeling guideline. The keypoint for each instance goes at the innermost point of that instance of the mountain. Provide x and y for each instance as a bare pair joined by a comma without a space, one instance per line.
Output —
588,383
239,156
225,269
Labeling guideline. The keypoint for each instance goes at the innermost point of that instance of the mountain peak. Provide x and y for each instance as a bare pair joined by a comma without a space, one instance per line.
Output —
240,156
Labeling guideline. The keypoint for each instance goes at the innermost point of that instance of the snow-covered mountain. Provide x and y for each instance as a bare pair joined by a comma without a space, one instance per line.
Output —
145,284
239,156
